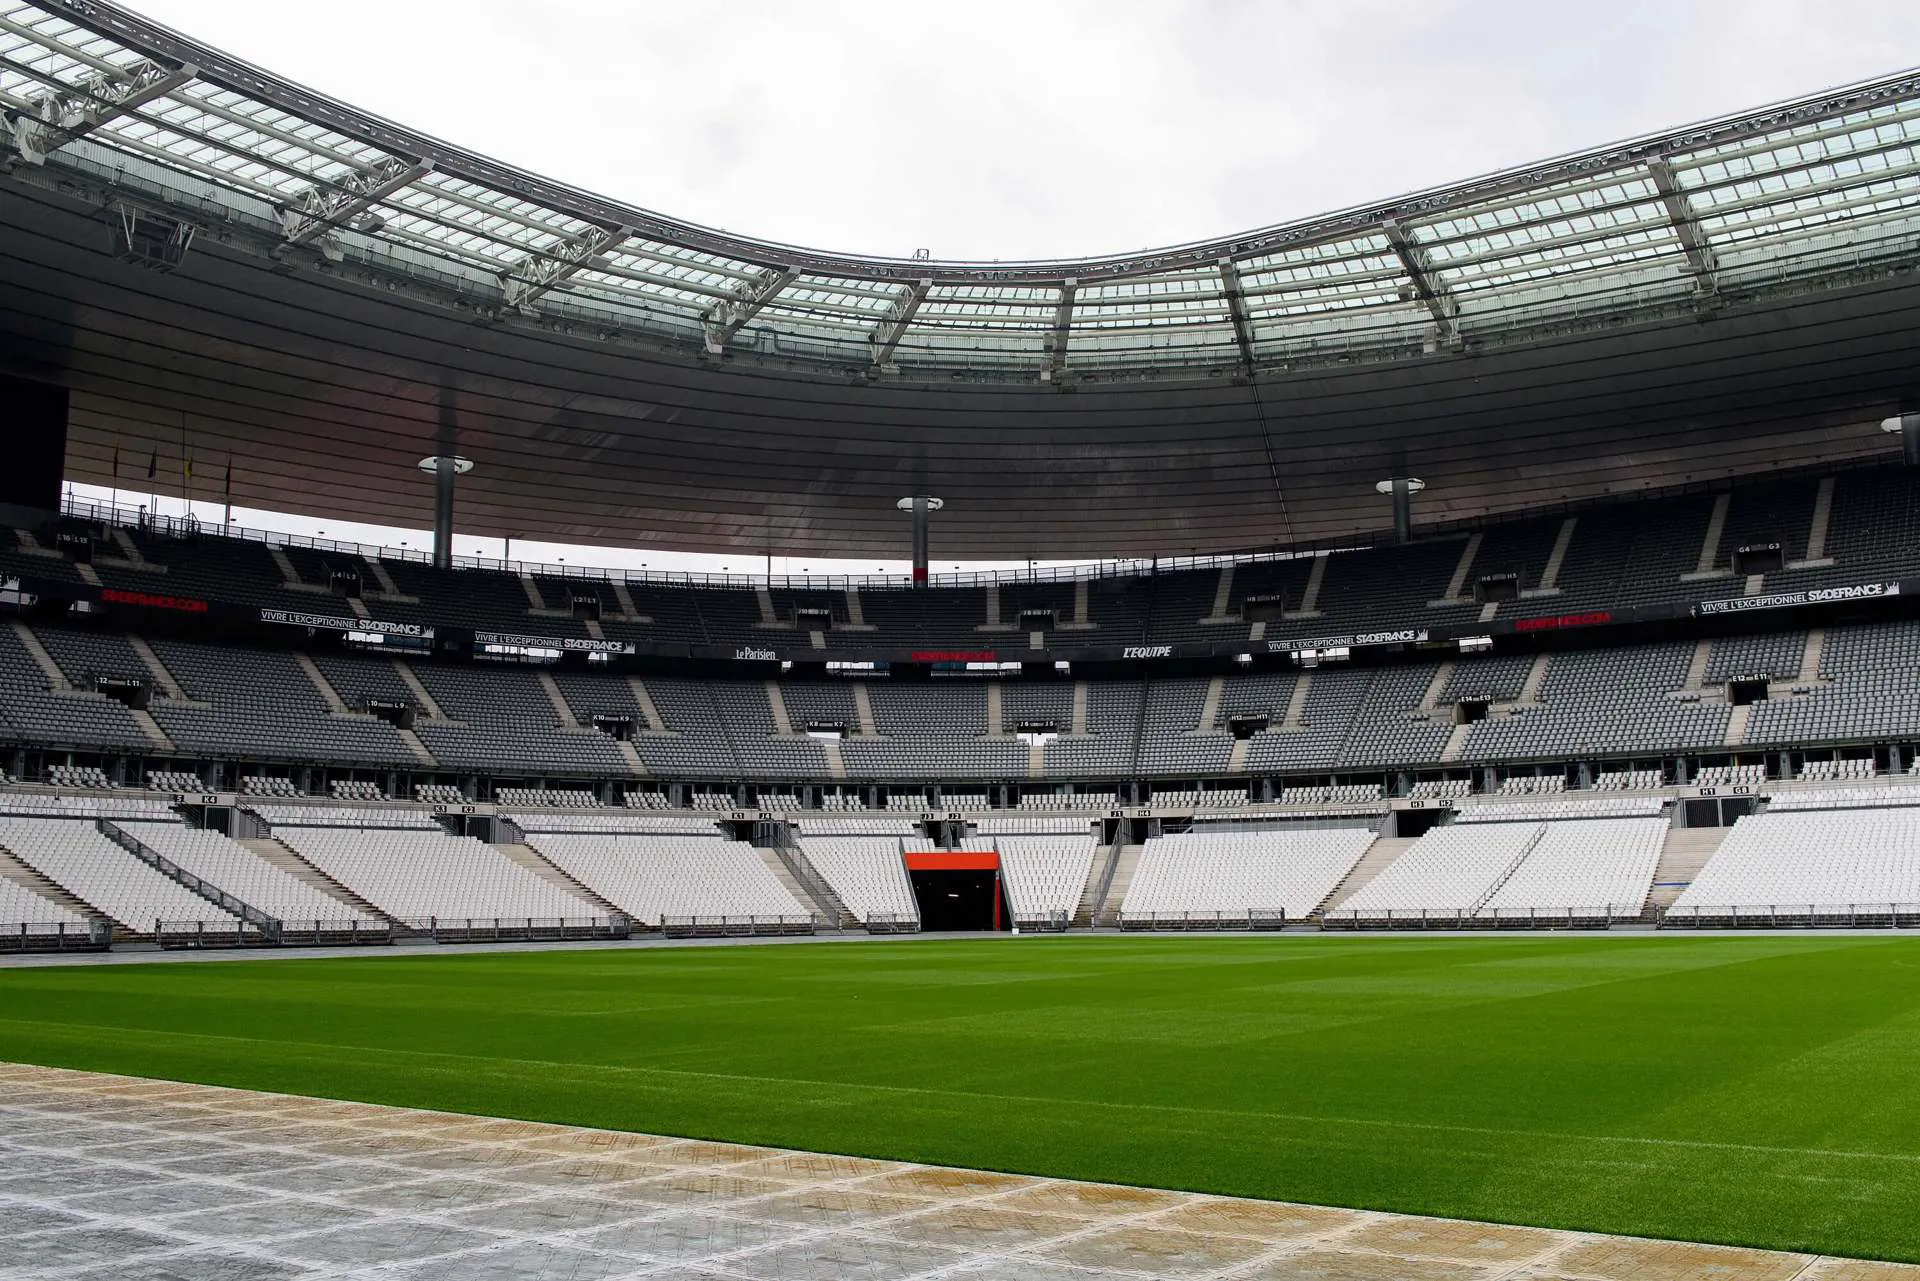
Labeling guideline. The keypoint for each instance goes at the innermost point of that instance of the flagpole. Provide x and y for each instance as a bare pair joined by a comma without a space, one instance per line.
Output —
229,520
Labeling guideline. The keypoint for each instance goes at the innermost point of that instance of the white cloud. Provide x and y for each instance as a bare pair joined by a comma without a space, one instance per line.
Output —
1020,128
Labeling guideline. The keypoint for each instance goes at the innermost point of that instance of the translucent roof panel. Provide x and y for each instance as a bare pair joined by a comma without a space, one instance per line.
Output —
1784,196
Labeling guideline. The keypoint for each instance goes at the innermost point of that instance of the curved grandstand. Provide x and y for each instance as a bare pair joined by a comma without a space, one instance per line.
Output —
326,297
1660,571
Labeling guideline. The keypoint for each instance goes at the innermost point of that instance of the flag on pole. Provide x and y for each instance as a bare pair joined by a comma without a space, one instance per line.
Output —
116,464
229,489
153,463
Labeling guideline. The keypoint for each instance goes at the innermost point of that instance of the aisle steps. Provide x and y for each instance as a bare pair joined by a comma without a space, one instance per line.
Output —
293,865
1685,852
528,857
1371,864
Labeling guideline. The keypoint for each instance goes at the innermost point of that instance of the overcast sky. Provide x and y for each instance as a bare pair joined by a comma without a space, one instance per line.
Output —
1037,128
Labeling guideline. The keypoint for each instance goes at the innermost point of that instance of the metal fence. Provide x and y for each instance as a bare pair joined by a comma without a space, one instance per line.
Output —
42,936
892,923
689,927
1795,916
517,929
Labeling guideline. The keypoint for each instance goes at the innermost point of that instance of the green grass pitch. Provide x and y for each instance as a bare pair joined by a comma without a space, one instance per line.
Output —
1753,1090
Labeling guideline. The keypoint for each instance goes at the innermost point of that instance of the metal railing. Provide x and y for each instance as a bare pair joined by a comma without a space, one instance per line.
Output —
1042,923
687,927
57,936
177,934
139,520
519,929
266,925
892,923
1227,920
1794,916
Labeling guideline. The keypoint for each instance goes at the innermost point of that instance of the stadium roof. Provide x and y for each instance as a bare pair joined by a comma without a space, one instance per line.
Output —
339,296
1800,190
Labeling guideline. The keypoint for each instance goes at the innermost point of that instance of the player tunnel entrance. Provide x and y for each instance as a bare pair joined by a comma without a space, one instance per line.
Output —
958,891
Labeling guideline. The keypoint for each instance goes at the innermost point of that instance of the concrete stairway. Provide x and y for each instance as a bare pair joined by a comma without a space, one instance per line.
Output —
528,857
301,870
1122,877
823,902
1371,864
1686,851
1083,912
12,869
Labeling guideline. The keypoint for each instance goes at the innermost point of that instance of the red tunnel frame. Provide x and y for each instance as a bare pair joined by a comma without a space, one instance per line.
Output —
961,861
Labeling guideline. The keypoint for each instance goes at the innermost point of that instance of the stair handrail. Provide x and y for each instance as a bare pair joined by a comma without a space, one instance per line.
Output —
795,860
268,926
1106,877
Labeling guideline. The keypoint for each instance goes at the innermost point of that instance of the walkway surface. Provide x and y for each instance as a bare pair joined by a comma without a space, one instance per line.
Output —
110,1178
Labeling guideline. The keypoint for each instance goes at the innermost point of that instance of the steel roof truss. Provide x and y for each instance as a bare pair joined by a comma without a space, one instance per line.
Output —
887,334
1686,229
1055,361
1237,310
728,316
1425,285
322,209
535,274
60,118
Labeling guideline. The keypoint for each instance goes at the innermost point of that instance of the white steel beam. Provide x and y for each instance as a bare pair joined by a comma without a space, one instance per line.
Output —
887,334
540,272
1686,228
728,316
319,210
1237,310
59,118
1426,286
1056,361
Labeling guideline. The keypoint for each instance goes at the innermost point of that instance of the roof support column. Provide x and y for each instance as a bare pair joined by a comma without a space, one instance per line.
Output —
920,507
444,468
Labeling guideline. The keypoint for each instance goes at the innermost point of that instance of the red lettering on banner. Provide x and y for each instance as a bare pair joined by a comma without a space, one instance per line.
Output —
952,656
1561,620
146,600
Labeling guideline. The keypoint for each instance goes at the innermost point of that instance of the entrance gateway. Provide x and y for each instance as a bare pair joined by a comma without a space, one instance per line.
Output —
958,890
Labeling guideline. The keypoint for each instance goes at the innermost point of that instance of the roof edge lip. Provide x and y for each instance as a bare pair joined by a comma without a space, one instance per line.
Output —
217,67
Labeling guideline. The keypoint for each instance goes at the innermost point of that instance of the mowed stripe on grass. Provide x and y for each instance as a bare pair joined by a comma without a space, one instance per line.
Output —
1760,1091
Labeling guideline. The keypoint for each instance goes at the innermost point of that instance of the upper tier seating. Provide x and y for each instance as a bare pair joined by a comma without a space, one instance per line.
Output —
1234,870
1617,555
75,856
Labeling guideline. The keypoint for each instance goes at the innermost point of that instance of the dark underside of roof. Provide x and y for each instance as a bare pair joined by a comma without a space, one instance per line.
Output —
325,394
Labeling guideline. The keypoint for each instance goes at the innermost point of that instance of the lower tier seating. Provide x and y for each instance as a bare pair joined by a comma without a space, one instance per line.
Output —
245,875
652,878
1822,862
1237,870
866,872
75,856
416,876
